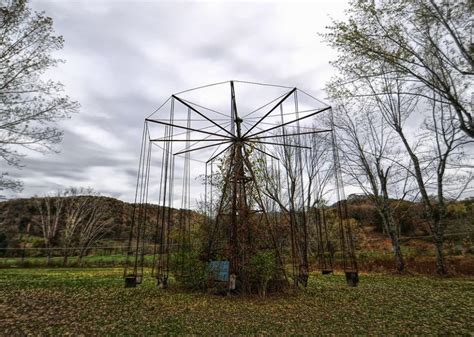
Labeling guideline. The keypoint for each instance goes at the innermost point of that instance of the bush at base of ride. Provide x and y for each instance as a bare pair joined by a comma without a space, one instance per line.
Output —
189,271
261,270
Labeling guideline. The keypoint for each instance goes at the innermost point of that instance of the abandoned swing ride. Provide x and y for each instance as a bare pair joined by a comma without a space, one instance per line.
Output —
244,168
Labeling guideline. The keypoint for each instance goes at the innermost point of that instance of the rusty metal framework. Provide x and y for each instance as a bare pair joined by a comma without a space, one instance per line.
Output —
234,157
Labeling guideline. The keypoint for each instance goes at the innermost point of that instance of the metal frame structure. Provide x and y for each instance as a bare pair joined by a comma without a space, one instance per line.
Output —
234,148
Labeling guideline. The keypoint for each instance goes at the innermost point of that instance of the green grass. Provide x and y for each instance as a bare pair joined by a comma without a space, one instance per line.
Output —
93,301
116,260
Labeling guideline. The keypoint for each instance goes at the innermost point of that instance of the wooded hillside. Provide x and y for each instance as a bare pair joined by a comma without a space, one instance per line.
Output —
20,217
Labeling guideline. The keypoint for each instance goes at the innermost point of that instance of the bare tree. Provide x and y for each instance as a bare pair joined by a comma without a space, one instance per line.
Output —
318,167
319,171
428,41
7,183
432,154
414,56
295,184
50,209
97,222
75,214
367,146
30,106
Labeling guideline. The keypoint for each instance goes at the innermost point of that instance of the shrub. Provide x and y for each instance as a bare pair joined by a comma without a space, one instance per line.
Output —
191,272
262,268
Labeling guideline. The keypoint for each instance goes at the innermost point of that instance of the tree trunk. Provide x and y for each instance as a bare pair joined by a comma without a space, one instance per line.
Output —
399,262
48,253
440,261
439,245
65,257
389,227
79,260
82,252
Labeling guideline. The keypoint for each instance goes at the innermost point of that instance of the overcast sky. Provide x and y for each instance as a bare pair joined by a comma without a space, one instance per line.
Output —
124,58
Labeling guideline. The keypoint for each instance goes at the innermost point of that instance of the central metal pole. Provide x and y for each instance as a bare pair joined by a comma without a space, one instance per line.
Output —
239,212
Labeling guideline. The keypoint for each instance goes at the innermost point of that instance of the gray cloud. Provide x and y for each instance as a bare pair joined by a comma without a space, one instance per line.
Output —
124,58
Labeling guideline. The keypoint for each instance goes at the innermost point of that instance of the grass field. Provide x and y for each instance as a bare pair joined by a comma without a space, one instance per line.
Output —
93,301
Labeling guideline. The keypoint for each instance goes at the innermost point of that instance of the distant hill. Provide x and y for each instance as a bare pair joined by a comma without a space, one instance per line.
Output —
19,216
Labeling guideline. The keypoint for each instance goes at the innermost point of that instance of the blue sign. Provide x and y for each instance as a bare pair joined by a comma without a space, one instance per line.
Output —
219,270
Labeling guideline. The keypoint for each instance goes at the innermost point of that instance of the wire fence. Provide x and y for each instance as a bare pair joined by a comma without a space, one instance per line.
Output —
116,256
62,257
97,256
